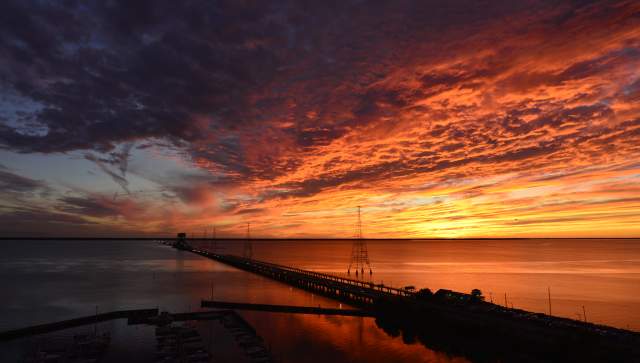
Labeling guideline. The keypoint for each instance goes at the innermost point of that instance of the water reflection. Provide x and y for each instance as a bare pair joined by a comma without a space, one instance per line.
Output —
60,280
310,338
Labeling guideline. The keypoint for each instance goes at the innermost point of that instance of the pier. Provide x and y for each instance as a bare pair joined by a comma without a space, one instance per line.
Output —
459,322
358,293
285,308
73,323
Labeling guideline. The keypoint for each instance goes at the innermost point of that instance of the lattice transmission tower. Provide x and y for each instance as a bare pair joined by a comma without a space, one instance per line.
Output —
248,246
359,253
213,242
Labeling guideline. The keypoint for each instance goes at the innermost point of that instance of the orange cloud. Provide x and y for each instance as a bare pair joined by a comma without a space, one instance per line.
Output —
508,120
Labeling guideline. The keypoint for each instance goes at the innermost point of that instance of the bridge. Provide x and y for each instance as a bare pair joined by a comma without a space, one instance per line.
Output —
358,293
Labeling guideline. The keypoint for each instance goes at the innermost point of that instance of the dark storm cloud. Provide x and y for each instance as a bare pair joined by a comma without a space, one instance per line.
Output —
14,183
108,72
249,211
102,206
38,222
15,188
88,207
10,220
192,194
255,89
312,186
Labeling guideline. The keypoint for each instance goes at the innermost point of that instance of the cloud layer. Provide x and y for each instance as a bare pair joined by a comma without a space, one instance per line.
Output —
457,119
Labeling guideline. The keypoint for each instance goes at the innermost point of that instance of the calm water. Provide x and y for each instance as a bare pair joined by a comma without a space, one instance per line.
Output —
46,281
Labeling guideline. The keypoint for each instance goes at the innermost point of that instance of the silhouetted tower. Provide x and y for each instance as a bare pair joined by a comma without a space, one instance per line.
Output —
181,241
214,242
204,238
248,247
359,253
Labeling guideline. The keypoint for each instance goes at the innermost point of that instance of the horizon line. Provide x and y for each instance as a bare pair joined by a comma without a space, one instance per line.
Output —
60,238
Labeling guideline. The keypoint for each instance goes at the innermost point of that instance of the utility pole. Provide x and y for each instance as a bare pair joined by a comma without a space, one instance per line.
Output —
248,247
95,324
214,242
204,237
549,295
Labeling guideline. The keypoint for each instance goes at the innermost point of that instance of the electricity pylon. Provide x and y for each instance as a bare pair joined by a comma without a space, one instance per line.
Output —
213,243
359,253
248,247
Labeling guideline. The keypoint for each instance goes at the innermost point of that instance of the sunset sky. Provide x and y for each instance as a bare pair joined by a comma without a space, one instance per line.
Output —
439,118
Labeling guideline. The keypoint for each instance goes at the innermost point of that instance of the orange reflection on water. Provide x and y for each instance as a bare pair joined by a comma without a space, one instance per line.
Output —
339,339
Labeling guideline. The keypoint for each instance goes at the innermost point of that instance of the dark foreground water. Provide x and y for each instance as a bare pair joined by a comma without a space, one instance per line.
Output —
46,281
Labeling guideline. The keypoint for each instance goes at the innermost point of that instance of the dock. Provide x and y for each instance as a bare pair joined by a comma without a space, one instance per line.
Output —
285,308
73,323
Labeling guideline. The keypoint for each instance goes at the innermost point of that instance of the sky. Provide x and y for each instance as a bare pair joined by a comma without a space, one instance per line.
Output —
441,119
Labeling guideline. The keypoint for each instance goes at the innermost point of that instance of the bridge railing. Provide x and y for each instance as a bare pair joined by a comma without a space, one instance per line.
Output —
357,283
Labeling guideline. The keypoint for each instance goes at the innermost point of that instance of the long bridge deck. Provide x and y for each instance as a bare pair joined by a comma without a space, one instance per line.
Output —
357,292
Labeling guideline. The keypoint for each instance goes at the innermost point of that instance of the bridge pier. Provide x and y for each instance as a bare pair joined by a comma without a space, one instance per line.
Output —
356,292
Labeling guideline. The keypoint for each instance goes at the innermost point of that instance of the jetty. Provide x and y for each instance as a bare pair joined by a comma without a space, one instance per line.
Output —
131,315
285,308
